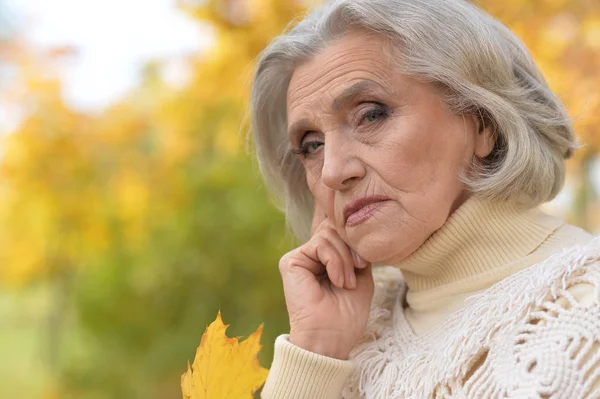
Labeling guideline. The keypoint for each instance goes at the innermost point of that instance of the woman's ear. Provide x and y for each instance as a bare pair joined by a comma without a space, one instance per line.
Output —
485,138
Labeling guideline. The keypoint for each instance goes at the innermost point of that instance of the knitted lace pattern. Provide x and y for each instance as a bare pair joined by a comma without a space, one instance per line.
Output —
526,336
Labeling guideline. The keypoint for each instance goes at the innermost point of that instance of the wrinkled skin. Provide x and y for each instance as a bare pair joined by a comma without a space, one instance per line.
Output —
362,128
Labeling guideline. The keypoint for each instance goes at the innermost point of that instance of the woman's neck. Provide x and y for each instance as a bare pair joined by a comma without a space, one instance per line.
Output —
479,237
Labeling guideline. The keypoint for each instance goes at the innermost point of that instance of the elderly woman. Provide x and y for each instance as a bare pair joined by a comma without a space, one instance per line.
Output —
420,135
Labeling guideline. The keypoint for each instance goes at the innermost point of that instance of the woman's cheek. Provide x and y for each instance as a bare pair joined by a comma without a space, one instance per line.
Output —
322,195
311,182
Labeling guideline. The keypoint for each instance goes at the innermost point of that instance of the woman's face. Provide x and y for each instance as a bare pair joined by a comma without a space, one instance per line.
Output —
381,151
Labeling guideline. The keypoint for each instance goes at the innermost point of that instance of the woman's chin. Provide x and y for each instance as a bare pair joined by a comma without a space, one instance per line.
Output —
376,247
380,241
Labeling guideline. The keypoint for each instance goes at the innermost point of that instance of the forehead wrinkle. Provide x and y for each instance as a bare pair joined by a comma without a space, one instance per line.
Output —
361,60
303,97
325,80
356,54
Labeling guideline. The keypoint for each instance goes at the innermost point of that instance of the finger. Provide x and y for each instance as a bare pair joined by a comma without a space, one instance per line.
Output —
297,259
320,251
346,255
358,260
319,216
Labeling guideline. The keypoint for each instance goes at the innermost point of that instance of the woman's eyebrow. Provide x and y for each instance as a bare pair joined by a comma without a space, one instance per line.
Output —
299,128
350,93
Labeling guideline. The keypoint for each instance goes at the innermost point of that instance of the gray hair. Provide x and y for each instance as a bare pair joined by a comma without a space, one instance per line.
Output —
480,65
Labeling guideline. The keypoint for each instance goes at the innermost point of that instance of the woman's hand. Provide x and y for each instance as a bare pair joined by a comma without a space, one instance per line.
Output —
328,292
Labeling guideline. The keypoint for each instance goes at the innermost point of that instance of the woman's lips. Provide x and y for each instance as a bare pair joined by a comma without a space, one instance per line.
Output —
362,209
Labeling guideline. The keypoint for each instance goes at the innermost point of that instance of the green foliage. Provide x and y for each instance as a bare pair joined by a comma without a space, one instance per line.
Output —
144,311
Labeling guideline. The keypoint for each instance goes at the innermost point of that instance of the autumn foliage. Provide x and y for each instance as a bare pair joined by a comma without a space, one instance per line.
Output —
223,367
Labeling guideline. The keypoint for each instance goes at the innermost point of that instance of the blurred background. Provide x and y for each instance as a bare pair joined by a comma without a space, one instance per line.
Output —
130,210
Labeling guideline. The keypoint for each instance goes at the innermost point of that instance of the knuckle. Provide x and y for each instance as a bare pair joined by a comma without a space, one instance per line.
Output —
282,265
330,232
319,239
322,244
285,261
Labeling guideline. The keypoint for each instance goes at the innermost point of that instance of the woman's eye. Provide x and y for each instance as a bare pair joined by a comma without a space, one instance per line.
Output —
311,146
308,147
374,114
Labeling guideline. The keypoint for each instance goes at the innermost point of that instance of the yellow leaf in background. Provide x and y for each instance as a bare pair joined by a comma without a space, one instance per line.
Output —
592,33
224,368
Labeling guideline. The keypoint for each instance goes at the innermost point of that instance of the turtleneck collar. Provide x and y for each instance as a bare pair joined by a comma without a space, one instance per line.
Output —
478,239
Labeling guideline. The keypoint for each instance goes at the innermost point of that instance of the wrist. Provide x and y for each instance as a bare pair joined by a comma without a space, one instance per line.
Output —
329,346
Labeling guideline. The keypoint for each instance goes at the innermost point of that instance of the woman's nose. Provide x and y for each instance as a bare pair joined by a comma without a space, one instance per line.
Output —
341,166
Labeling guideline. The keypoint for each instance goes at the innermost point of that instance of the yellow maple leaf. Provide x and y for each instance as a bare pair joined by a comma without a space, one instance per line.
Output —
224,368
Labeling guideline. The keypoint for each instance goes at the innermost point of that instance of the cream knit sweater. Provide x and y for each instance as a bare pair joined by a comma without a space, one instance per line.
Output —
497,303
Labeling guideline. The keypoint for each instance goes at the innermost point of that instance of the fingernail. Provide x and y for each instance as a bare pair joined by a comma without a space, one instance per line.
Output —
352,281
360,262
341,281
356,258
